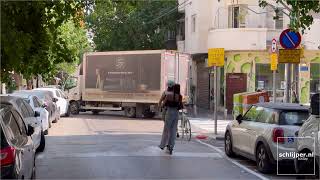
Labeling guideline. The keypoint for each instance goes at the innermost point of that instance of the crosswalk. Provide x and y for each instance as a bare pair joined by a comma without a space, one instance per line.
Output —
208,125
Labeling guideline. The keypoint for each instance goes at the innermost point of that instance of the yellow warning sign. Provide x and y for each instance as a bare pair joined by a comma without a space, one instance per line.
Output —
215,57
274,61
289,56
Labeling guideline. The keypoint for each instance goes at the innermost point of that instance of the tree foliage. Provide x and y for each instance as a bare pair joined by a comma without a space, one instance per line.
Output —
34,38
130,25
300,11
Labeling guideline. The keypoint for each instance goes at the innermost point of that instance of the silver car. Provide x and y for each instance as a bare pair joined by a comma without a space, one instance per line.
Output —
265,133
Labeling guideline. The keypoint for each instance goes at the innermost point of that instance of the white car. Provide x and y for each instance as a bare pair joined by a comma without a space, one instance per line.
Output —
36,105
265,132
62,102
309,142
29,117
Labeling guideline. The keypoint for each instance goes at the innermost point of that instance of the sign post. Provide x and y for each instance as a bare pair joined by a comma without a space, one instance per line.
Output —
274,66
289,40
215,59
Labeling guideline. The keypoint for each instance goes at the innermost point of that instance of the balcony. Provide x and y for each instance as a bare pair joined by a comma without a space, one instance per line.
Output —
251,28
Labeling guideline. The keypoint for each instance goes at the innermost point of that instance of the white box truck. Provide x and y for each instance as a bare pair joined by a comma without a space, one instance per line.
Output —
132,81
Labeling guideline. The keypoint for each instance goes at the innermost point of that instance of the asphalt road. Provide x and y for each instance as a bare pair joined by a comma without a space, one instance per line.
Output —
114,147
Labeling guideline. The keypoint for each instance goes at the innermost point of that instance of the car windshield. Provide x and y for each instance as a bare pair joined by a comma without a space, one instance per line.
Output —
293,117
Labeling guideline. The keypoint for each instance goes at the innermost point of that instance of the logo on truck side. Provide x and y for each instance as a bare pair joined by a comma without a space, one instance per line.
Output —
120,63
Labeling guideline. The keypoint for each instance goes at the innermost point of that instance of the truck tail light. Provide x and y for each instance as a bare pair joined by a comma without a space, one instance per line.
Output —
7,155
278,135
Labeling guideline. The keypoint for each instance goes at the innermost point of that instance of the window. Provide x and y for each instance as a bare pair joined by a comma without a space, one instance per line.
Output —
29,109
193,23
20,123
12,127
268,116
36,102
23,108
237,16
279,20
264,78
253,113
293,117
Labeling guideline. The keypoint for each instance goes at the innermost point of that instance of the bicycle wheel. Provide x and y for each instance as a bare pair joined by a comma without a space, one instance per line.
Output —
187,129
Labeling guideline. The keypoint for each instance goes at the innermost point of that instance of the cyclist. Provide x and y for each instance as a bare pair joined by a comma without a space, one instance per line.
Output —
173,103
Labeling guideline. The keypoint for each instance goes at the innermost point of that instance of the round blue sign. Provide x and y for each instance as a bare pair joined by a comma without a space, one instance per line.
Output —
290,39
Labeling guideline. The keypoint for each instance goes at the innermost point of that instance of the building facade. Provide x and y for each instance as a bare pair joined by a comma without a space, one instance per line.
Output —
245,31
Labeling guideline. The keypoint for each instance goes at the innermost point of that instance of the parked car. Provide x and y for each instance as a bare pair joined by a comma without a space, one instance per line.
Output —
264,131
36,105
29,117
49,103
17,149
309,141
62,102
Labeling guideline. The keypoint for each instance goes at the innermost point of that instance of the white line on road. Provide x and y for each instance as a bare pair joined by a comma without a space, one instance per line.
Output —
135,154
234,162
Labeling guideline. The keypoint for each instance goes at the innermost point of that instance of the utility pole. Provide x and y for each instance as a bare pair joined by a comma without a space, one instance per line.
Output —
288,82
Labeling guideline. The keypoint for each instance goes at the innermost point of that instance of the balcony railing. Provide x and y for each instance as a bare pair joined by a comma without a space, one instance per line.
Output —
244,16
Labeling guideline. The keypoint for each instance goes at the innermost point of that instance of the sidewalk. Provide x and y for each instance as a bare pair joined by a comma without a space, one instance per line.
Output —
205,126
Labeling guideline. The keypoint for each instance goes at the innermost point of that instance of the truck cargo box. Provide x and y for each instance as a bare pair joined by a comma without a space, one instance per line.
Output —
132,76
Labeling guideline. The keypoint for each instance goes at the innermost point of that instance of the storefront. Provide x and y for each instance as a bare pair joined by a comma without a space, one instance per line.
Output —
255,66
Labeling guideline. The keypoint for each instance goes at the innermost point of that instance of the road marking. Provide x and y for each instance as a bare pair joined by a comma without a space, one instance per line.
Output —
234,162
133,154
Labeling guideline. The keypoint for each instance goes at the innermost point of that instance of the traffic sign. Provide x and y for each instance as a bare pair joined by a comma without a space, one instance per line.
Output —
274,61
215,57
289,56
290,39
274,45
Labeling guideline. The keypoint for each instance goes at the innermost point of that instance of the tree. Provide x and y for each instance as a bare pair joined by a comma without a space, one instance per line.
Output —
31,41
299,12
131,25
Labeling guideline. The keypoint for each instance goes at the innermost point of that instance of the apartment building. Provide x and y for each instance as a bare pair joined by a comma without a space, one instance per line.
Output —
245,31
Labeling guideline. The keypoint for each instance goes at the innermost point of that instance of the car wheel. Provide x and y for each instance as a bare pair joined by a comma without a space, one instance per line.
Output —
74,108
306,167
262,159
228,145
42,143
130,112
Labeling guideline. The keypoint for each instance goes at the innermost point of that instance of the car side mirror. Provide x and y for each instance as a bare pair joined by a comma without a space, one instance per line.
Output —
36,114
30,130
54,99
239,118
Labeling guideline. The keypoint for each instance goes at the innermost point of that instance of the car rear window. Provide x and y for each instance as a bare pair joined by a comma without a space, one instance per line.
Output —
293,117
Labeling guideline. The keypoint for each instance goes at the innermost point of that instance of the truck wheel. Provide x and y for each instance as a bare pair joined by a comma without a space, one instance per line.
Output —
74,107
148,113
95,112
130,112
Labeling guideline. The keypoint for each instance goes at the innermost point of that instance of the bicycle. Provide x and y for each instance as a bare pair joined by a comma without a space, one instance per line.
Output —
184,126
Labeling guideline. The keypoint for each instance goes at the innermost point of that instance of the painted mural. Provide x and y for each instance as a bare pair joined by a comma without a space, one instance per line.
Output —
245,62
